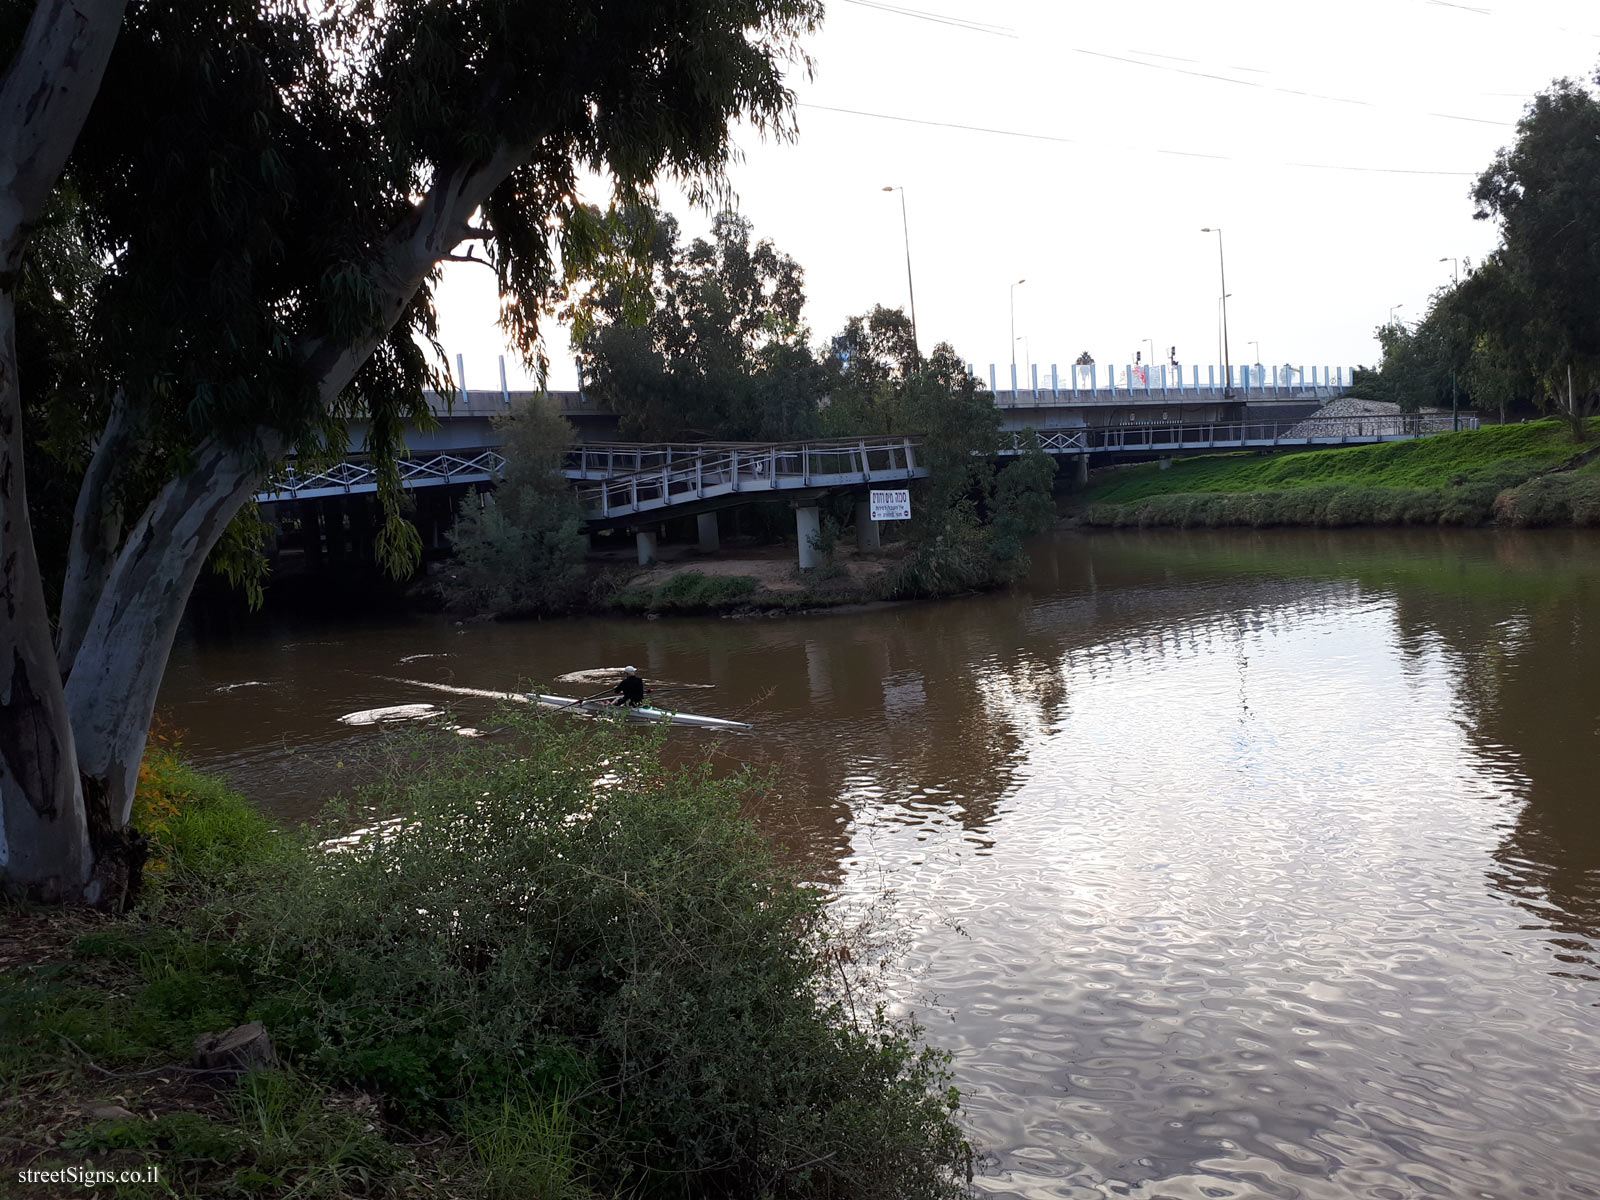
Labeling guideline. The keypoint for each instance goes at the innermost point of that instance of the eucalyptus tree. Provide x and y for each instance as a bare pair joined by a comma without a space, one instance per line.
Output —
720,351
1541,192
269,188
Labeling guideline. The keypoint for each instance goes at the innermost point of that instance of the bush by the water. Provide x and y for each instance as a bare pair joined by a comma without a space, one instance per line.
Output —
1329,506
520,551
568,969
1567,498
687,591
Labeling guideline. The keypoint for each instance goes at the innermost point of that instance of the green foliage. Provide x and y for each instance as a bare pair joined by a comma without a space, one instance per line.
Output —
1569,498
630,947
522,552
1023,504
1509,332
571,969
721,350
1331,506
688,591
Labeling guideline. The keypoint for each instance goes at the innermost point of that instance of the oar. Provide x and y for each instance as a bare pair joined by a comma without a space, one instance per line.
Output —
586,699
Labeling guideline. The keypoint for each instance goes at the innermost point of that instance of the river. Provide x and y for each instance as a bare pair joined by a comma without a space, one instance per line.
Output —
1225,864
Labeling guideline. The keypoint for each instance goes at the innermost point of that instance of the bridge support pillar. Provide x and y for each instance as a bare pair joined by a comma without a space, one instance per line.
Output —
1083,470
807,526
866,527
706,526
645,539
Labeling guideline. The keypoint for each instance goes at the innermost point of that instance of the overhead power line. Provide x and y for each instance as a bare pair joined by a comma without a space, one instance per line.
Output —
1049,137
938,18
1143,56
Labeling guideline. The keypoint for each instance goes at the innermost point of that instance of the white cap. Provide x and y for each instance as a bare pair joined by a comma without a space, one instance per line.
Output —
630,670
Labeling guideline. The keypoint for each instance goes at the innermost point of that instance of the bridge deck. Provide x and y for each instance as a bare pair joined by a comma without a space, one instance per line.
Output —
618,479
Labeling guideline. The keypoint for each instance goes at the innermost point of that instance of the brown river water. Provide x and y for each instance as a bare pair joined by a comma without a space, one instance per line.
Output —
1225,864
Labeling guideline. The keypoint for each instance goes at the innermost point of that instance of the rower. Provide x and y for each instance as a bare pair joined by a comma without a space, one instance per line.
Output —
630,688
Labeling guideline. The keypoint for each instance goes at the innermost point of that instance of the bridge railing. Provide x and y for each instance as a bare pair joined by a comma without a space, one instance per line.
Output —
1226,434
671,474
357,475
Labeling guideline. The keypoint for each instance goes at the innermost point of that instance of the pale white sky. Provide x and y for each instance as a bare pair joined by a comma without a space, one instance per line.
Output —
1147,119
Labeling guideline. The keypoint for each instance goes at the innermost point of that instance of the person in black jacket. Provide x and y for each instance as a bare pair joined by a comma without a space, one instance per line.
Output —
630,688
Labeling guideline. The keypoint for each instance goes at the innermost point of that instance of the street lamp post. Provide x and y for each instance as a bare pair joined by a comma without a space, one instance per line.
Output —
911,292
1221,347
1392,309
1227,365
1014,386
1455,268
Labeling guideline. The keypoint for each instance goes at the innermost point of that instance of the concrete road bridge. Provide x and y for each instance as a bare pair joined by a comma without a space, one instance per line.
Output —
635,485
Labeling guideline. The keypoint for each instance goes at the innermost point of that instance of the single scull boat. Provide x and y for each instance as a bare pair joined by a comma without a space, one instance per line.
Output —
642,713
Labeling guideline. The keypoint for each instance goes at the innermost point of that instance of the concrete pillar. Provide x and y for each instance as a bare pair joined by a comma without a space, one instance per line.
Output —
706,526
866,527
1166,464
645,539
807,525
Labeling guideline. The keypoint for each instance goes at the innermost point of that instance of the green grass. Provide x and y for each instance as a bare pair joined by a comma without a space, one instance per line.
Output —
1507,474
1500,455
686,592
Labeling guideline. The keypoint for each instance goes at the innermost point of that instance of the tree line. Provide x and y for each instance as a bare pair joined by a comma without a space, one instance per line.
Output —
1521,329
703,340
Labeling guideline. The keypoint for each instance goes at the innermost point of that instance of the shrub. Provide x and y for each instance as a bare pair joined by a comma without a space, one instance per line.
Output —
687,591
196,825
621,959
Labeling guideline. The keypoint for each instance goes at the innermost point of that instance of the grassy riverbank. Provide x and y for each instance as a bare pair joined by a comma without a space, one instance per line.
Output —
1523,475
566,971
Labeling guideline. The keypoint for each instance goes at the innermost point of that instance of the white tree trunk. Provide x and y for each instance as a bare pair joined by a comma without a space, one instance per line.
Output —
116,674
44,841
45,94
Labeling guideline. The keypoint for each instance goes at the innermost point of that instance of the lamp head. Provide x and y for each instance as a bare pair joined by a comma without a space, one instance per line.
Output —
888,189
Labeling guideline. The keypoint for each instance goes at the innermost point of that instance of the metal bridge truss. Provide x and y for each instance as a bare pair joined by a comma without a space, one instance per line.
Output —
1241,435
342,479
620,478
638,479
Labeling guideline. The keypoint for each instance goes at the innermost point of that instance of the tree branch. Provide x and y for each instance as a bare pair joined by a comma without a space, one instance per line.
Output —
45,95
96,530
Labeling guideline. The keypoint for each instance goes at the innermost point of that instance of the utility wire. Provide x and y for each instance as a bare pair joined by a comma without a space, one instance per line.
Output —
1006,31
923,15
1047,137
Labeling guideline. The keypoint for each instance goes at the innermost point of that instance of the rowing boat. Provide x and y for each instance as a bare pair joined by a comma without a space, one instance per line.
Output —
643,713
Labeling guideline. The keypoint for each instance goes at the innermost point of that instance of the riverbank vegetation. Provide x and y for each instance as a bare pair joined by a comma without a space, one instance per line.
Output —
201,279
1519,331
549,968
1528,475
718,352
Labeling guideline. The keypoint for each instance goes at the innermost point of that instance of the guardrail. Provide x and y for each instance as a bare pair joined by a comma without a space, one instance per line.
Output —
341,479
1235,435
676,474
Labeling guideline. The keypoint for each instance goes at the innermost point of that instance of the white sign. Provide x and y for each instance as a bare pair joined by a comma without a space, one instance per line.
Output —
890,506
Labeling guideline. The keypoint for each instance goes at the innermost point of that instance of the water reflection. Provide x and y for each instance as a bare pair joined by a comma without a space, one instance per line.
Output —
1230,864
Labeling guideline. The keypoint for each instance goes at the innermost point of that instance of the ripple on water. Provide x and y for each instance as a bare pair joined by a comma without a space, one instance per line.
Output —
1211,960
